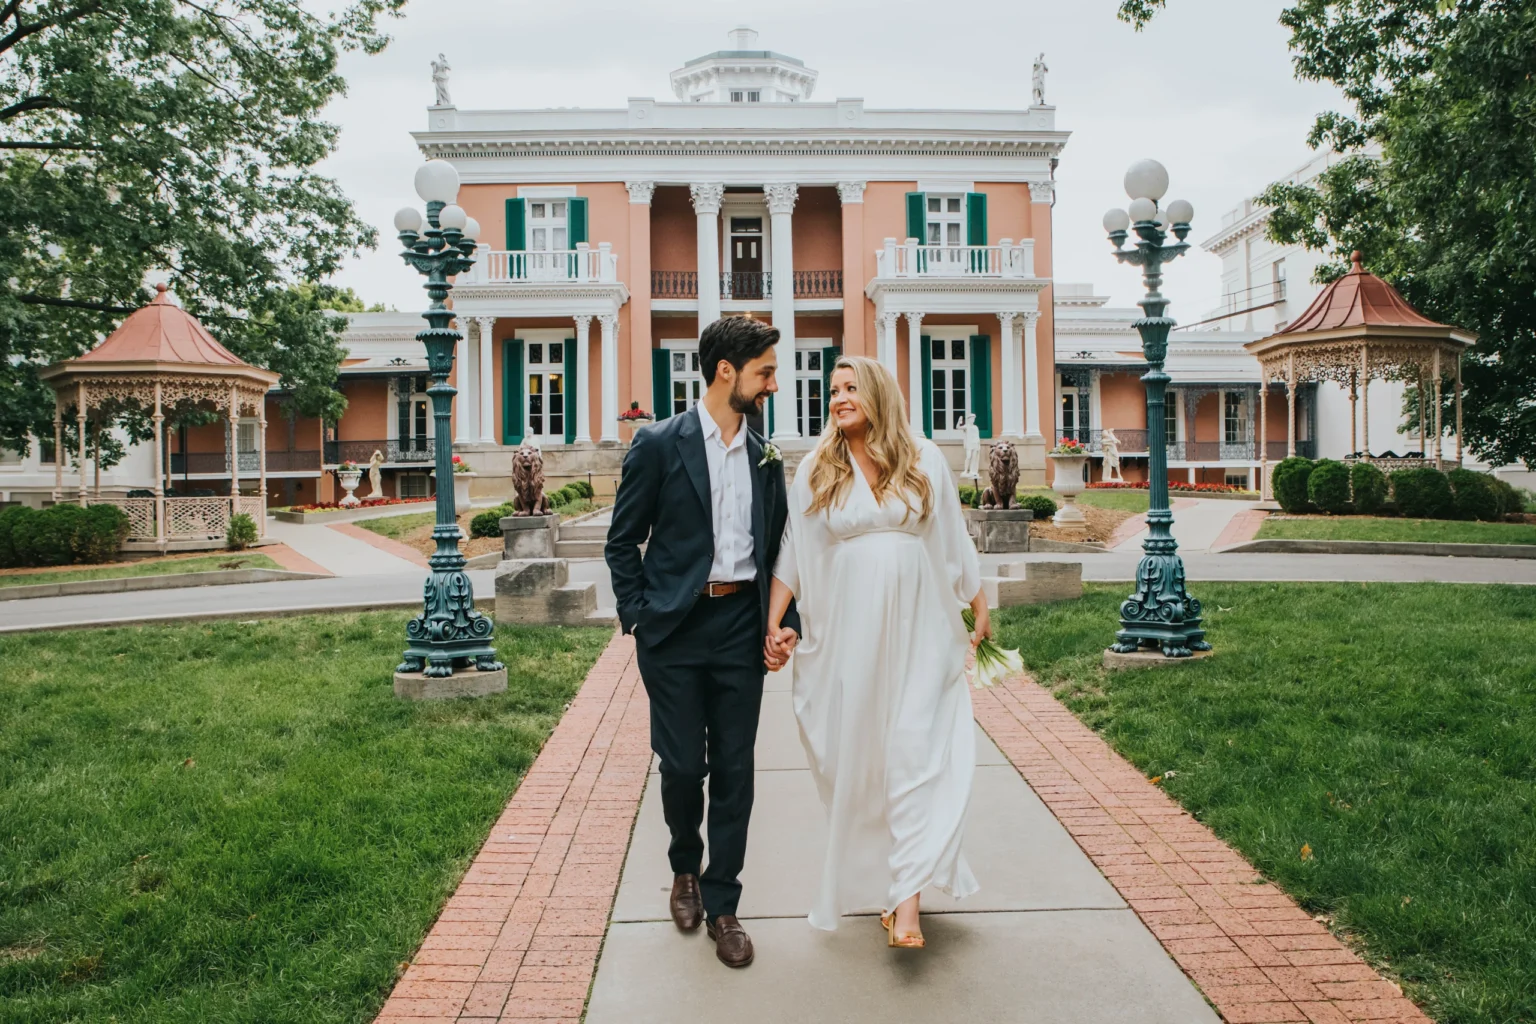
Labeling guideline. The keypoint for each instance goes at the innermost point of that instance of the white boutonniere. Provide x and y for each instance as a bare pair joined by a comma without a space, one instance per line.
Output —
771,453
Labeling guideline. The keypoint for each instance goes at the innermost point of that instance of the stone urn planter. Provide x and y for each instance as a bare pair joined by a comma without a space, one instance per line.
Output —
349,479
1068,482
460,491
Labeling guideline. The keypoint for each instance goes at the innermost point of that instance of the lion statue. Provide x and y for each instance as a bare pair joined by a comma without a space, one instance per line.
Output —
1002,476
528,497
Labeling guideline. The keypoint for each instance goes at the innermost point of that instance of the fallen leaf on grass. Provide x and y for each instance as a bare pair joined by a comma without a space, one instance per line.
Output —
1155,779
189,763
1306,851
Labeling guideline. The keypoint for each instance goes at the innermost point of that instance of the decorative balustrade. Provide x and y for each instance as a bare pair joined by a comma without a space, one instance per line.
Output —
909,259
674,284
411,451
684,284
202,518
745,284
1133,443
581,265
818,284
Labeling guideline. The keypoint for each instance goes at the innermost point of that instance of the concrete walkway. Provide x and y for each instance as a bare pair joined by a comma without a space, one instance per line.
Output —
1197,525
1046,939
337,552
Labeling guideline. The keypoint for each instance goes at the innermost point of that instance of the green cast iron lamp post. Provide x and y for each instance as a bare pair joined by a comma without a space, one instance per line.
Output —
449,633
1160,614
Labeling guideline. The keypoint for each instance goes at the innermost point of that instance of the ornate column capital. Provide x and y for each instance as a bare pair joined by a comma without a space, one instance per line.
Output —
706,197
914,318
781,196
1030,316
1007,319
609,320
851,191
583,322
640,192
1042,191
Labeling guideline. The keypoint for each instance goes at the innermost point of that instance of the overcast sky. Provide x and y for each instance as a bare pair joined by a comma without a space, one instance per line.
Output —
1207,89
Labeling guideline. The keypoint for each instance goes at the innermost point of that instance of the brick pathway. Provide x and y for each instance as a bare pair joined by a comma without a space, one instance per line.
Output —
1134,525
1259,958
518,940
1243,528
290,559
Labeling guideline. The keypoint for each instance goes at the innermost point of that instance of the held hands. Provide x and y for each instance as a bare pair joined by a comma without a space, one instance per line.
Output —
778,646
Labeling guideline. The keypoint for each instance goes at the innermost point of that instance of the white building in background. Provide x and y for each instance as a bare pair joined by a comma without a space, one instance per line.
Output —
29,479
1266,285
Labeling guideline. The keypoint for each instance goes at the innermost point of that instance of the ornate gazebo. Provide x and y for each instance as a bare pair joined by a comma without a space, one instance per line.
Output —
1359,329
161,358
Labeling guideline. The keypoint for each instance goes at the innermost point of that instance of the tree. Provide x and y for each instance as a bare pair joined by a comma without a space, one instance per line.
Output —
1443,89
140,135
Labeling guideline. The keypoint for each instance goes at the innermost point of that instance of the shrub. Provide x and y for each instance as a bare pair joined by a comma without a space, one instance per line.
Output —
47,538
1289,482
1328,486
10,519
1369,486
969,496
1423,493
100,532
1472,496
241,533
1508,496
584,489
1039,504
488,523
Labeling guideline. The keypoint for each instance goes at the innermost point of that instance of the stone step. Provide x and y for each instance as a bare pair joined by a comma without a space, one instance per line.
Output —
584,531
578,549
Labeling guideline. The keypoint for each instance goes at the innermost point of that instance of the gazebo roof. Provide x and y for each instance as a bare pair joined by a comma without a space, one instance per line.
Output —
161,332
1359,299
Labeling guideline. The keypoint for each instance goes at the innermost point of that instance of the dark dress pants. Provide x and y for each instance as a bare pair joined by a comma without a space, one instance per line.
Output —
705,683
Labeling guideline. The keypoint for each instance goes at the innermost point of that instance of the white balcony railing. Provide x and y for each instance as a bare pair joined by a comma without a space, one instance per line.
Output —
581,265
909,259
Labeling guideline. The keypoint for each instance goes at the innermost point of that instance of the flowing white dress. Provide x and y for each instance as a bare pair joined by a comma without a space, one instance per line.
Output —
880,690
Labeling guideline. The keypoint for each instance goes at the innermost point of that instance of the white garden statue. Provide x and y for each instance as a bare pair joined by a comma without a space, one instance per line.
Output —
1037,82
375,474
440,71
972,449
1110,445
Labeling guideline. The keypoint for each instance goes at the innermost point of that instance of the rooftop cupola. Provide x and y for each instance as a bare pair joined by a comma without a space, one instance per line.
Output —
743,74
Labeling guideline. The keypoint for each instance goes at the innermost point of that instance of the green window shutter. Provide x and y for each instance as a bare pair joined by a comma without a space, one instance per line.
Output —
829,356
517,225
981,382
925,344
976,218
917,216
572,399
661,383
576,220
512,414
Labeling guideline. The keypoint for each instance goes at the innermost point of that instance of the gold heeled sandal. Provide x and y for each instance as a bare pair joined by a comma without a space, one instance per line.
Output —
892,941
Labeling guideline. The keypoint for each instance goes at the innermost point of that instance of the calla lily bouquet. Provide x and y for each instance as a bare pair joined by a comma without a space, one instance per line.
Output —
993,663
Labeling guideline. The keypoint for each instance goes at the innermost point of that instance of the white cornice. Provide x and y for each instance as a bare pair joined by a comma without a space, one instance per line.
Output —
1228,236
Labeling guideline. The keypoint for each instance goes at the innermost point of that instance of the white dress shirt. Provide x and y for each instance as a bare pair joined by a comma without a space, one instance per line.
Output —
730,500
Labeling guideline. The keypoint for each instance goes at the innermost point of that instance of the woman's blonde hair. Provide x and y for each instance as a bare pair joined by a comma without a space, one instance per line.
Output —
888,439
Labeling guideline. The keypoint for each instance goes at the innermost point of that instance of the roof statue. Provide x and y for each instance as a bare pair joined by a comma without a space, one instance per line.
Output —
440,71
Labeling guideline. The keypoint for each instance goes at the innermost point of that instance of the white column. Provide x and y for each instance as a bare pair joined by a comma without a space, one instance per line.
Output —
462,400
485,380
915,381
583,379
610,328
781,207
887,348
1012,377
1031,375
706,206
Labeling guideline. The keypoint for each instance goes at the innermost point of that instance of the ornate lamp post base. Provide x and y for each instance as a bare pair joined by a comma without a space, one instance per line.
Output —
1160,613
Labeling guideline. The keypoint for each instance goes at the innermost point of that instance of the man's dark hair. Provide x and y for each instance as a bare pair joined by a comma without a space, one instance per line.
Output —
735,339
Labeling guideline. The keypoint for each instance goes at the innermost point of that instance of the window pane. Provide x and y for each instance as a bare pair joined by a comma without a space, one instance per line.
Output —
954,206
957,349
934,238
954,234
535,353
814,360
935,205
539,237
554,352
536,210
936,347
554,384
679,362
557,209
797,360
535,384
559,239
695,358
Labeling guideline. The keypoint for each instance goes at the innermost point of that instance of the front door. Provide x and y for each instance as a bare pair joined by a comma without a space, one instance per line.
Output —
687,381
547,245
951,384
746,277
546,391
810,402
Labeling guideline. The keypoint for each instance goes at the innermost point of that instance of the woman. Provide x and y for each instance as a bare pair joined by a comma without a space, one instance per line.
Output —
877,559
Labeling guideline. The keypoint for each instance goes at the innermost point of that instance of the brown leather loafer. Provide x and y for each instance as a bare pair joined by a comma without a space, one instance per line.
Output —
732,943
686,903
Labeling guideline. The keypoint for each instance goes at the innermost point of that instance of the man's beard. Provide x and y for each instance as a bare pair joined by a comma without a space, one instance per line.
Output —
744,405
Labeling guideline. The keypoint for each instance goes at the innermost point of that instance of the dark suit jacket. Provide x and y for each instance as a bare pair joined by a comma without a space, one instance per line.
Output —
663,502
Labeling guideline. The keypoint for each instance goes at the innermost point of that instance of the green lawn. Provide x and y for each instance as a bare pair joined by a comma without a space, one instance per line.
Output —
1128,501
239,822
170,567
395,527
1427,531
1392,728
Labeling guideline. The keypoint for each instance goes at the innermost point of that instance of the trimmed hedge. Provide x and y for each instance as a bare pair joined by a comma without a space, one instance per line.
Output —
1472,497
488,523
1423,493
1511,501
61,535
1289,481
1369,487
1039,504
1328,486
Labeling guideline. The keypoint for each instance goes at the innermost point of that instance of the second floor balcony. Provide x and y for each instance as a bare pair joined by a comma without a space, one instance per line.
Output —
1006,260
581,265
808,284
409,451
217,463
1133,443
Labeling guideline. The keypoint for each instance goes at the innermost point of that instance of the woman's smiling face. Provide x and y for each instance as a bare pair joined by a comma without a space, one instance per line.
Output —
844,404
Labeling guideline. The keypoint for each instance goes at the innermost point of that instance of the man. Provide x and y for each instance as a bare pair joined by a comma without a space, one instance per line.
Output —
707,496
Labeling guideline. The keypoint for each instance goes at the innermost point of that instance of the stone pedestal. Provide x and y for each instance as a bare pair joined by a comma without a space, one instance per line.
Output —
999,530
1039,582
1149,658
465,682
525,537
540,591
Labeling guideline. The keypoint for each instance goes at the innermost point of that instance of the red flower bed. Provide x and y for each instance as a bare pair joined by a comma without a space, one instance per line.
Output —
1173,485
330,506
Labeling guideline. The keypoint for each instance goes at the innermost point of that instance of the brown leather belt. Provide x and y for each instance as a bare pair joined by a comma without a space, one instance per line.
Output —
727,589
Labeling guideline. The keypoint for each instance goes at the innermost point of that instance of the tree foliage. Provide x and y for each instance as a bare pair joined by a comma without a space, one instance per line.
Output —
179,136
1443,91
